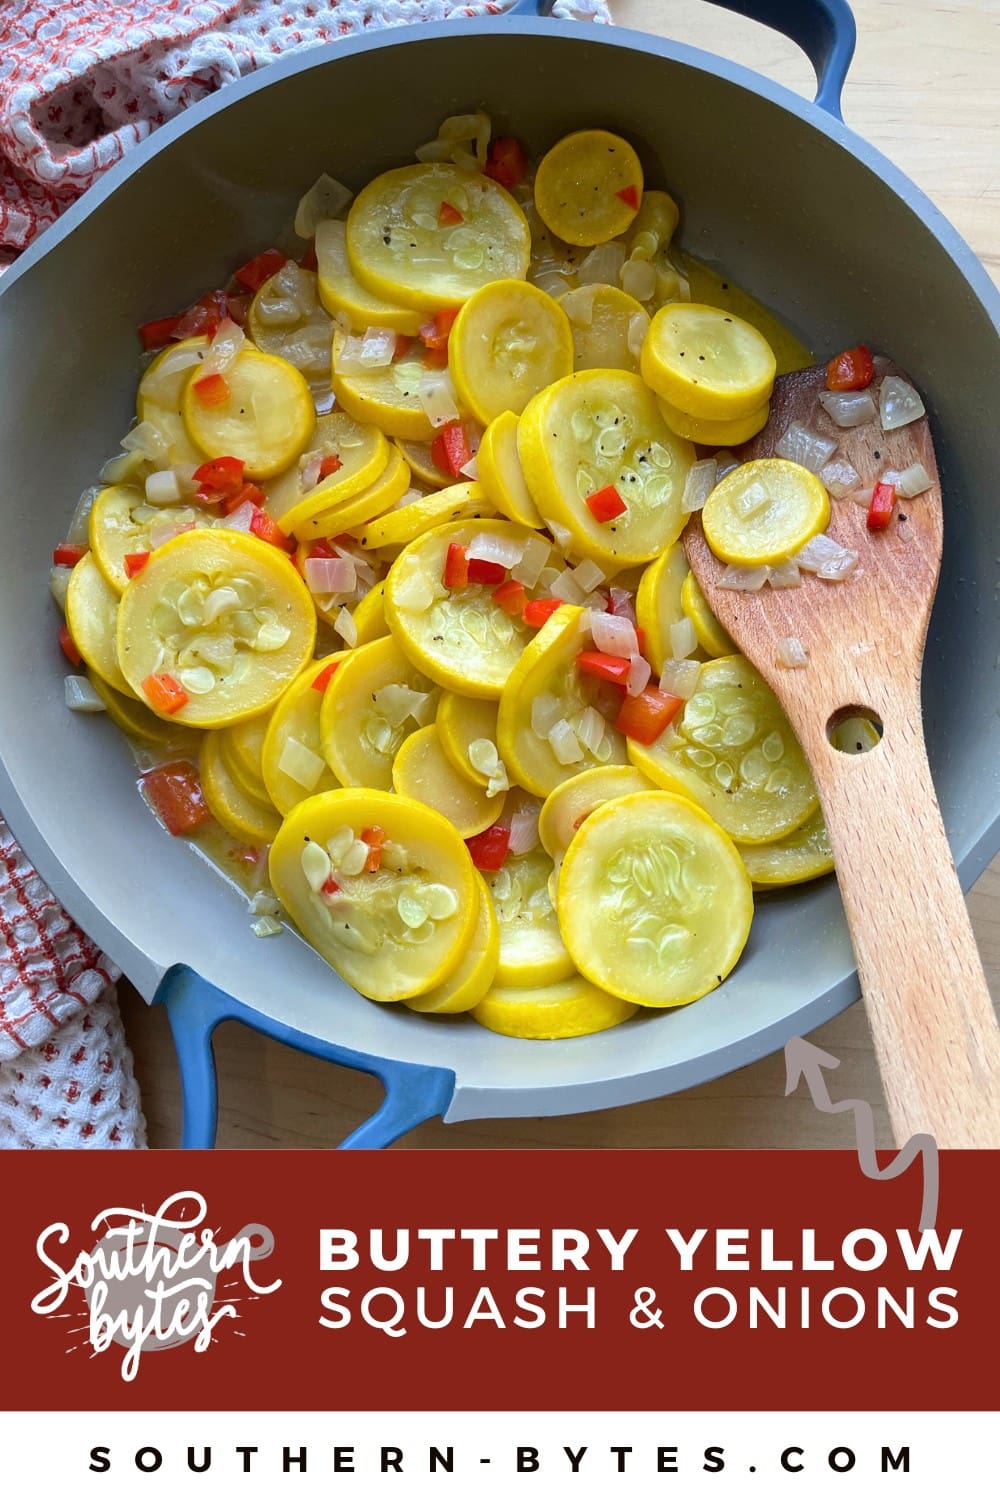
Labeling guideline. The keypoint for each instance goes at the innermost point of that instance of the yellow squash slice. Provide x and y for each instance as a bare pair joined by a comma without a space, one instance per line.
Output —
509,342
402,248
593,430
801,855
588,187
243,817
734,752
548,1012
570,805
422,513
422,465
531,947
389,398
718,290
342,294
136,721
160,396
92,614
287,319
545,691
658,604
370,623
224,614
394,932
764,511
608,327
363,455
476,969
292,762
654,900
424,772
466,722
375,699
242,748
726,434
120,523
501,475
708,363
712,639
267,418
377,498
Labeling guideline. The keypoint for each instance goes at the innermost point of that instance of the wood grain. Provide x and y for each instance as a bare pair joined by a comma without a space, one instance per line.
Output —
923,89
929,1008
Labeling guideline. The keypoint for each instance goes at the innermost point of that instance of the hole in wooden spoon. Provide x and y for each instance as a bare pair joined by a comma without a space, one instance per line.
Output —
854,730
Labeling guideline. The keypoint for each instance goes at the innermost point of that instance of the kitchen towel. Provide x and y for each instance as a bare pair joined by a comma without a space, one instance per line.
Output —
81,83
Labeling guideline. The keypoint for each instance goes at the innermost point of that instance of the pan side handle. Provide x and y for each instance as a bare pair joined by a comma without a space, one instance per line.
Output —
414,1092
824,29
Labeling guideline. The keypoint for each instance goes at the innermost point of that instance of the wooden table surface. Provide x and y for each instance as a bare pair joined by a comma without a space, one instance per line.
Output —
922,89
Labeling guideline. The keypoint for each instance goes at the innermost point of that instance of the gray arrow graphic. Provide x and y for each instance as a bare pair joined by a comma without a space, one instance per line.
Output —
803,1060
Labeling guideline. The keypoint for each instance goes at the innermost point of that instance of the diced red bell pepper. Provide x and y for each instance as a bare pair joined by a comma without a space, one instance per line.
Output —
165,694
629,195
212,390
135,562
448,214
374,838
605,666
456,567
251,493
852,370
322,679
489,848
261,268
177,798
404,343
481,571
202,317
217,477
238,307
159,331
68,554
69,647
435,359
329,886
645,717
450,449
437,332
507,161
329,464
247,857
511,598
322,548
309,261
880,510
262,526
537,611
606,504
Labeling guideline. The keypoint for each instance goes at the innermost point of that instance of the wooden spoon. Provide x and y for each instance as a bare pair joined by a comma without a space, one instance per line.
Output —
935,1031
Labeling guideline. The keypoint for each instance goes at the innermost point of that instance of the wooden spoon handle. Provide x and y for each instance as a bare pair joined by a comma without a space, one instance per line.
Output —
933,1023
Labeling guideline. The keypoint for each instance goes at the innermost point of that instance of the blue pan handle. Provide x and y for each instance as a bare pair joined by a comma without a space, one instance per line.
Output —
414,1092
824,29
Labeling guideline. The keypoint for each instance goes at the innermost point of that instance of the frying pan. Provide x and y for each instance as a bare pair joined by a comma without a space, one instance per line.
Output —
795,206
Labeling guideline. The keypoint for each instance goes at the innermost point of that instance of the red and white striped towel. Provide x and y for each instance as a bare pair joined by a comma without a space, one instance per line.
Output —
80,83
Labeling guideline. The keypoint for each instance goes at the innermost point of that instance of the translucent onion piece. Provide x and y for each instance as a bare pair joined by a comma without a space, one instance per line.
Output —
614,634
496,549
59,584
826,558
638,279
910,481
588,575
566,588
119,470
377,348
266,926
565,746
225,346
345,627
166,529
396,703
241,519
803,446
291,281
864,497
699,484
545,711
437,397
680,678
579,305
349,359
744,580
436,150
305,768
533,560
330,575
638,327
639,673
78,531
471,469
603,266
840,477
725,464
552,282
415,590
265,904
791,653
146,439
898,403
785,576
277,312
848,408
163,487
310,464
326,199
563,536
81,697
683,640
524,829
590,728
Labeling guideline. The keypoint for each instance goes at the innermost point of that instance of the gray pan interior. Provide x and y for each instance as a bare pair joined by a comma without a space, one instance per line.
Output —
794,205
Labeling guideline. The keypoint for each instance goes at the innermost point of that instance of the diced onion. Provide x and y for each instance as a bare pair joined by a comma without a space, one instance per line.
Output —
533,560
377,348
348,360
898,403
472,128
699,484
437,397
471,469
59,585
614,634
225,346
345,627
396,703
488,547
545,711
588,575
266,926
590,728
864,497
725,464
785,575
298,285
638,279
563,536
638,327
436,150
163,487
330,575
241,519
826,558
325,200
119,470
310,465
639,673
791,653
683,639
524,829
744,580
305,768
911,481
680,678
414,591
578,305
277,312
78,531
265,904
81,697
166,529
848,408
566,588
840,477
603,266
565,746
146,439
800,445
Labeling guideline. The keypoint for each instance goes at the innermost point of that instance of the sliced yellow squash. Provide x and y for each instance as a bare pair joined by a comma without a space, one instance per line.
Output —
476,969
377,498
342,294
509,342
570,805
804,854
360,450
92,614
121,522
548,1012
706,362
531,947
608,327
375,699
726,434
501,475
658,604
292,323
422,513
712,639
389,398
466,722
424,772
588,187
763,512
243,817
266,419
292,762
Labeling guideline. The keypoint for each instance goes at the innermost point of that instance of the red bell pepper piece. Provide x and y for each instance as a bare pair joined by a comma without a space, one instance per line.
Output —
456,567
481,571
374,838
605,666
606,504
404,343
537,611
238,307
507,161
329,464
645,717
175,794
322,679
159,331
203,317
448,214
629,195
435,359
135,562
322,548
70,649
246,492
329,886
489,848
852,370
450,449
165,694
881,507
437,332
218,477
212,390
68,554
262,526
511,598
260,269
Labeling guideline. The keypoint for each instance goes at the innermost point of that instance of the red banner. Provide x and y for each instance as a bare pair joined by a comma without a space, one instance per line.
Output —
615,1280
